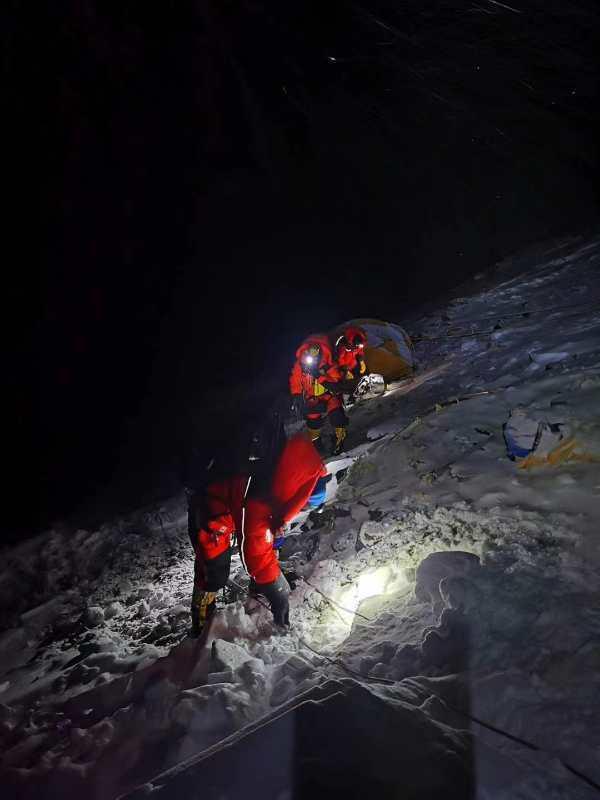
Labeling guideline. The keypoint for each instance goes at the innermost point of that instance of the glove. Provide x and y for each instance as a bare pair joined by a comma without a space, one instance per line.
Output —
277,593
333,388
292,578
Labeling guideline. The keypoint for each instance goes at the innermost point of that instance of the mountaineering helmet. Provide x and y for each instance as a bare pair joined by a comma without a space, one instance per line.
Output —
343,343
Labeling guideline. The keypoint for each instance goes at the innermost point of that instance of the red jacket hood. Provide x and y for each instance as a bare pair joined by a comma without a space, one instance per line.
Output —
320,339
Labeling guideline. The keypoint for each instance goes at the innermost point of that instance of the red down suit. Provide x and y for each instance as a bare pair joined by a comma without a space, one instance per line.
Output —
349,351
312,382
229,511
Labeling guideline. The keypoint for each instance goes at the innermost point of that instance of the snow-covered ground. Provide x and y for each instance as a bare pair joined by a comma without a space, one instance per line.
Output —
442,580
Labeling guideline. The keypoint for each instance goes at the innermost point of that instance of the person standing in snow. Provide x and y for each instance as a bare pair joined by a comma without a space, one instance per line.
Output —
316,388
350,356
236,509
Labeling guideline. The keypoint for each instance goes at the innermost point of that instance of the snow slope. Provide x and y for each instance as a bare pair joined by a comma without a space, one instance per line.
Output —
442,581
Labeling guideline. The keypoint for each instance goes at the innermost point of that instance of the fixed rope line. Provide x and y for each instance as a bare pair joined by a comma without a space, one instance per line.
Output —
301,641
519,740
329,600
524,313
445,404
391,682
473,335
297,702
335,603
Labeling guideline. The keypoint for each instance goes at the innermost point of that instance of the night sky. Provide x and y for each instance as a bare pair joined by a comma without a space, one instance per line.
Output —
195,186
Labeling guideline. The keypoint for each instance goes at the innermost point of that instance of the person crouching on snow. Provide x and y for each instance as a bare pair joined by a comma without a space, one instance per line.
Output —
233,510
316,389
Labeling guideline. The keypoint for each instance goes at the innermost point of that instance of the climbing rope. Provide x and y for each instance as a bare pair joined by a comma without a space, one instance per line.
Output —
499,317
337,661
329,659
296,702
452,401
334,603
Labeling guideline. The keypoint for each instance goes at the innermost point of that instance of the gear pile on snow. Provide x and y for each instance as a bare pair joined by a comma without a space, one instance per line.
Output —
369,387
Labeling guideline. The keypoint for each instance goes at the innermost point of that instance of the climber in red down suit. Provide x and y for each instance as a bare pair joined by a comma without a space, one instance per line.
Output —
316,388
349,352
231,510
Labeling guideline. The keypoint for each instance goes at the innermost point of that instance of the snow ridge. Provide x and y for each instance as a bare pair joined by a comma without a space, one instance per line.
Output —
442,577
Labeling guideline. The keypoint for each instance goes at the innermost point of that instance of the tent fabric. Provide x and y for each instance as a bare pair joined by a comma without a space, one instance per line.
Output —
389,350
533,442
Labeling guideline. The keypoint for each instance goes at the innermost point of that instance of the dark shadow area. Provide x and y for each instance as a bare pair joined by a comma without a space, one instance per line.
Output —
340,741
196,188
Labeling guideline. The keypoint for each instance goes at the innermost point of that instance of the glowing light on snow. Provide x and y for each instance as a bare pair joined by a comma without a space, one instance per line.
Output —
371,584
385,580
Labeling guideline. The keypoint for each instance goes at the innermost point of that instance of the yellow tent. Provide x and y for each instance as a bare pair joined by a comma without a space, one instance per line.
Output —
389,350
